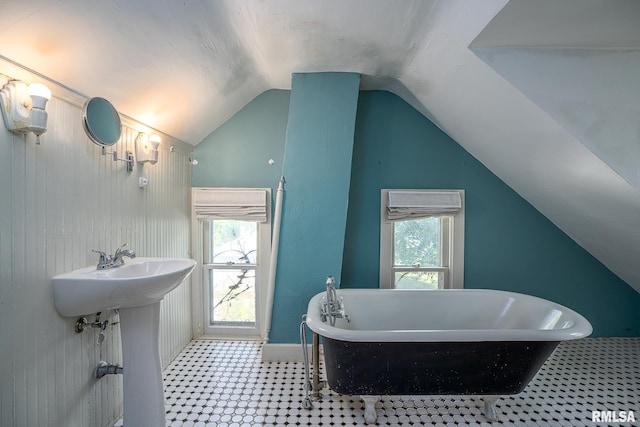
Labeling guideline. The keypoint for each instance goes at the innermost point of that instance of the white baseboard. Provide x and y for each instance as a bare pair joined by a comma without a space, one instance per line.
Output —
285,352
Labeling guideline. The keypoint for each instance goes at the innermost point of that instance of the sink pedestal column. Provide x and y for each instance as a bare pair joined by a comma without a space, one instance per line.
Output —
143,391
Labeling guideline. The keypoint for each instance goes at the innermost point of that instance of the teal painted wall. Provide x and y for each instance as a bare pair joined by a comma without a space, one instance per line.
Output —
238,152
509,244
317,171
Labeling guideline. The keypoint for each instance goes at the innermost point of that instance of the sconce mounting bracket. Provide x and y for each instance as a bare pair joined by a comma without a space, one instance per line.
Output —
128,157
16,105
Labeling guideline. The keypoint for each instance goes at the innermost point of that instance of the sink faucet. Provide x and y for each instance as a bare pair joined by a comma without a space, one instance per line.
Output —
107,261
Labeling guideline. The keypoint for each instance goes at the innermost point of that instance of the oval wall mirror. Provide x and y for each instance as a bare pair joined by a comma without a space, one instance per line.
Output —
101,121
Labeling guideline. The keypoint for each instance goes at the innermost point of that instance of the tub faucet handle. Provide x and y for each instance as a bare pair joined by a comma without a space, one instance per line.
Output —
332,306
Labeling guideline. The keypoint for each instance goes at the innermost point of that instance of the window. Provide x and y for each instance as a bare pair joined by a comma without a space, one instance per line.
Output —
231,272
422,239
236,244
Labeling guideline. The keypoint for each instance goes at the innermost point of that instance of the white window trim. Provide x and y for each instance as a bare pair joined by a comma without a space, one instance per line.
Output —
262,274
455,278
201,285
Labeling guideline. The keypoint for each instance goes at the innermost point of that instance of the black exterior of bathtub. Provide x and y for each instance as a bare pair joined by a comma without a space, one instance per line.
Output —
433,368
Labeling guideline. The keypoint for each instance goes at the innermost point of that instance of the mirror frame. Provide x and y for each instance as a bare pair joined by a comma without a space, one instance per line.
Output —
106,117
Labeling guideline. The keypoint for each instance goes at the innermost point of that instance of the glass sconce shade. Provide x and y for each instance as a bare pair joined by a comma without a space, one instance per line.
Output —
147,148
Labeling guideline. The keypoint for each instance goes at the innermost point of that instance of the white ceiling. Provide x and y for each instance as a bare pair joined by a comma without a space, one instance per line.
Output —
546,96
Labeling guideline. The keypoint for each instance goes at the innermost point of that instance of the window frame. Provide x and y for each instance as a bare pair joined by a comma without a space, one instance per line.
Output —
452,246
217,329
201,244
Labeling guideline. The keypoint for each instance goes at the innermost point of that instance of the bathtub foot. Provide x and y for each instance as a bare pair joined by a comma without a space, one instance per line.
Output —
489,407
370,415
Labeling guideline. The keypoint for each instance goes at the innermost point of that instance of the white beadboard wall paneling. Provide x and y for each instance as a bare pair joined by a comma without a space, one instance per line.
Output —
58,201
169,210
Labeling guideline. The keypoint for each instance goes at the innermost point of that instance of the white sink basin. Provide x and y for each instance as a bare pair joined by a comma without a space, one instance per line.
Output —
140,281
136,289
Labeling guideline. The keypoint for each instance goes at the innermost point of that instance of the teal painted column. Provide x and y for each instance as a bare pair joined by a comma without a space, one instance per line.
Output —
317,172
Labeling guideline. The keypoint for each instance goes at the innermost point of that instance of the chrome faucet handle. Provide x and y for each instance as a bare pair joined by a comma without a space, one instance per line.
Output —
103,256
120,254
119,250
104,260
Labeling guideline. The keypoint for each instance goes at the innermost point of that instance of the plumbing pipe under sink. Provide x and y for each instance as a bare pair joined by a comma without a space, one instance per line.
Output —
105,368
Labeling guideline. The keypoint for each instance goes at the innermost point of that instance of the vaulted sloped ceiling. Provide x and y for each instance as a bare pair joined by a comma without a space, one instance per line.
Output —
543,93
578,61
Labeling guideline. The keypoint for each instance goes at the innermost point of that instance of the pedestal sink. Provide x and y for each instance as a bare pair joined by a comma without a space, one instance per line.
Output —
135,289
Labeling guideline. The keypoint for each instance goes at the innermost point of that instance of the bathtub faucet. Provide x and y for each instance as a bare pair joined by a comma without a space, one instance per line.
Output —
333,307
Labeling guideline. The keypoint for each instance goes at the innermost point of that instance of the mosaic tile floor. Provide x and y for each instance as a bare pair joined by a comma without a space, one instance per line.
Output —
225,383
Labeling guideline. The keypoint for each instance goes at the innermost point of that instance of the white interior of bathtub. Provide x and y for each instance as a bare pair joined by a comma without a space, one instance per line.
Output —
425,310
469,314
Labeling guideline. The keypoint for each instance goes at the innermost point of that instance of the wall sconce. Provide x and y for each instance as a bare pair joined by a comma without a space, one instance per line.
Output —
147,148
23,108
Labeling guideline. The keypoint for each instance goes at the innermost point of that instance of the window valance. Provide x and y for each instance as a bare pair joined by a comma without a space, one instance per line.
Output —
414,204
245,204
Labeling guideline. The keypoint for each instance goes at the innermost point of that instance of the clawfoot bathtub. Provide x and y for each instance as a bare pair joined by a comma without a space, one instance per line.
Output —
438,342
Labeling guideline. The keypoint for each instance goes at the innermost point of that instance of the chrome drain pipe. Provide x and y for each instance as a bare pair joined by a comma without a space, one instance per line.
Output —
105,368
